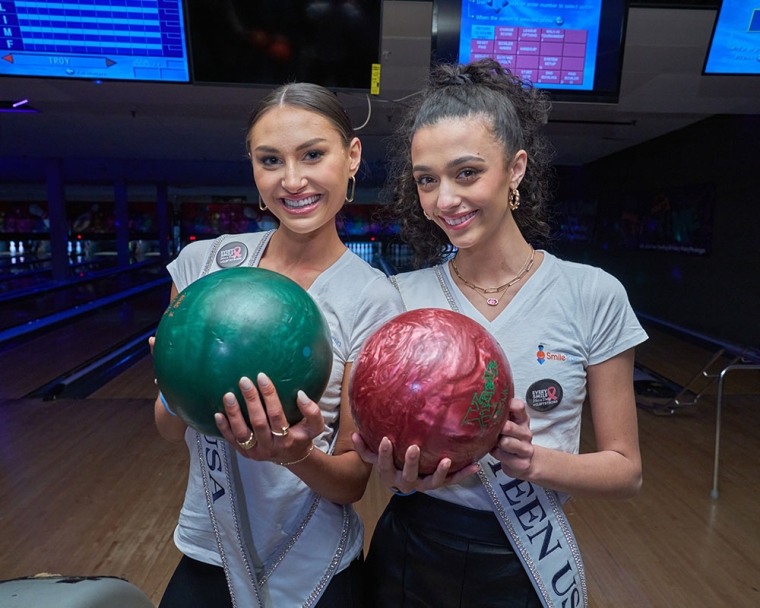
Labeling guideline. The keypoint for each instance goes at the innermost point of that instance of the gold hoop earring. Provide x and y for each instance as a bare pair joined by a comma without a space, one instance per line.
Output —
514,199
426,215
353,189
262,206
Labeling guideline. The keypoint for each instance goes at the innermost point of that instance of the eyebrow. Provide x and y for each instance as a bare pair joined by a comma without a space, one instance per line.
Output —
306,144
453,163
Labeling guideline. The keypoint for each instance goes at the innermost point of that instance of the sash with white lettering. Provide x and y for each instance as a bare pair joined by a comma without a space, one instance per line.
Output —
531,516
536,526
300,571
307,552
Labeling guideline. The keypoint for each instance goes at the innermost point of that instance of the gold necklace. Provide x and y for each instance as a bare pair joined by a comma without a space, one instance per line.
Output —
486,292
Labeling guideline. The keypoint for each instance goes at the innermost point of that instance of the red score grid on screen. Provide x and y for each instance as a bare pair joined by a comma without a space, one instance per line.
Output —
540,55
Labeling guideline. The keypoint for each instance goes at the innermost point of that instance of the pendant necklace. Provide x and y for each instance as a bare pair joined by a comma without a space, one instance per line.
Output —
488,292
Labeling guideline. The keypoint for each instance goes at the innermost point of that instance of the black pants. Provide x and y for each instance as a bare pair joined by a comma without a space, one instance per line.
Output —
198,585
430,553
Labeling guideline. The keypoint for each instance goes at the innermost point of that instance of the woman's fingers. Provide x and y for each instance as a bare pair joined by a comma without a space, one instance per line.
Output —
224,427
385,465
518,413
312,415
233,426
438,477
278,424
235,419
361,448
411,471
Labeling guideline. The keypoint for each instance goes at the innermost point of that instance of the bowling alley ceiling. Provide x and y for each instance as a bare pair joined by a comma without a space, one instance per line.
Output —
192,135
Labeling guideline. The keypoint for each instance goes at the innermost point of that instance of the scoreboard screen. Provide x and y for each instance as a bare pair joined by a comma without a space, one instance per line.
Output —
735,42
140,40
573,49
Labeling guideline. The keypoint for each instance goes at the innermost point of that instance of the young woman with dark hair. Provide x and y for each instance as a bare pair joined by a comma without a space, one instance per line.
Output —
470,186
267,519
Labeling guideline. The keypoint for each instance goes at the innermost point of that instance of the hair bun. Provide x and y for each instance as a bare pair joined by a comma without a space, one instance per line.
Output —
461,79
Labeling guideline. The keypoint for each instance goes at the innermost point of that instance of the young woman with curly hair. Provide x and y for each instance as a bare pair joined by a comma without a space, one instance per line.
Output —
470,187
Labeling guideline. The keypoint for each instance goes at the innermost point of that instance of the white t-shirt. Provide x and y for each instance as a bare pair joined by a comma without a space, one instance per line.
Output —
565,317
355,299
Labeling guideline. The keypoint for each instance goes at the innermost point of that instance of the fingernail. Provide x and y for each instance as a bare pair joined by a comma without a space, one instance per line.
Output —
262,379
218,418
229,399
302,398
246,384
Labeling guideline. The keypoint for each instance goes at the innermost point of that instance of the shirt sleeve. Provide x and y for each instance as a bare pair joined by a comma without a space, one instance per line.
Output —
188,265
614,326
380,302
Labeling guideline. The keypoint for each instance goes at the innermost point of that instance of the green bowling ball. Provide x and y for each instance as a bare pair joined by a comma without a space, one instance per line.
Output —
239,322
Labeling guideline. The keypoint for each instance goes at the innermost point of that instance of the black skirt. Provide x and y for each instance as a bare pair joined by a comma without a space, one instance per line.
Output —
430,553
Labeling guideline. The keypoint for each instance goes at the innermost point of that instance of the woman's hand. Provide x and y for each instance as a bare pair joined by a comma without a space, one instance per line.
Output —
270,437
515,446
408,480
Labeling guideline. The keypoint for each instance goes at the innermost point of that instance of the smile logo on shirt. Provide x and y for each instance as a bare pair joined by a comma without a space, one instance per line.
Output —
232,254
540,355
544,395
543,355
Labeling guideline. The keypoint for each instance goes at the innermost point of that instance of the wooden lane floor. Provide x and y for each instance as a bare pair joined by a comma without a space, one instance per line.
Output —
88,487
673,545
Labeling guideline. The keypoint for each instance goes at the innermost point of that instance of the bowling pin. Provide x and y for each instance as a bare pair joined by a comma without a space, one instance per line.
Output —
12,248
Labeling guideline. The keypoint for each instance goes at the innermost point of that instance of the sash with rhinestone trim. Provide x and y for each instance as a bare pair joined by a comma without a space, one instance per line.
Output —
303,566
531,516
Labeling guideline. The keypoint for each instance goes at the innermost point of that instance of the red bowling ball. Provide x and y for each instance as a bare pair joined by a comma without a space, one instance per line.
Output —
436,379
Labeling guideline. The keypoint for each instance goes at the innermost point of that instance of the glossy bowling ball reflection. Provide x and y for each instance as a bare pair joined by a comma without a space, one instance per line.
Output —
433,378
239,322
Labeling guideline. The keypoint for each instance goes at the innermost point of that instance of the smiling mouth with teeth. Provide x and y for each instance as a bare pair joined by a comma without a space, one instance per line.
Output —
301,203
459,220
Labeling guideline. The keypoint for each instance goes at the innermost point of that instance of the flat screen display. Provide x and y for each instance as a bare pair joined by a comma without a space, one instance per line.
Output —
573,49
95,39
271,42
735,42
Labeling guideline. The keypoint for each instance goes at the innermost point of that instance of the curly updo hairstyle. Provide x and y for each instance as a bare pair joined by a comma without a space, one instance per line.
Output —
517,113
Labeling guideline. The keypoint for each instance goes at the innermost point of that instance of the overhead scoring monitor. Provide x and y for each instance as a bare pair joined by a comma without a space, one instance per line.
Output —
735,42
96,39
574,49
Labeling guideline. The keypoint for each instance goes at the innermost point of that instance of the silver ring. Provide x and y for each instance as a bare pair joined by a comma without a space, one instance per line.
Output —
284,432
249,443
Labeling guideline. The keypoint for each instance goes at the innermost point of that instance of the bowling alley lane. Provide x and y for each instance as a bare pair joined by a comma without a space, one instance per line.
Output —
38,273
27,305
31,362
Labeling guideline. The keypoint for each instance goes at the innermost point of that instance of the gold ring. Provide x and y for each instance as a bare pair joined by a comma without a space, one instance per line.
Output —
249,443
284,432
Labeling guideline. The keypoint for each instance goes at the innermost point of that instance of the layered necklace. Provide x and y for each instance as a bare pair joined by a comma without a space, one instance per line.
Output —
488,293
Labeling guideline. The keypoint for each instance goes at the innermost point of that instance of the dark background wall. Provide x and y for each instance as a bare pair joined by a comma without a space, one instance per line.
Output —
717,293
